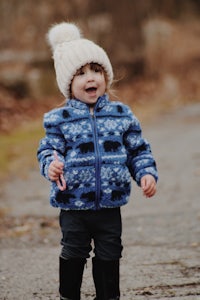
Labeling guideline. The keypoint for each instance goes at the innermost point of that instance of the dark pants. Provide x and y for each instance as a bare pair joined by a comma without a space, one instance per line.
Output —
80,228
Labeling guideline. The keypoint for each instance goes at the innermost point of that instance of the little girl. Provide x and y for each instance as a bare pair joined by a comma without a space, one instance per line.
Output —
91,149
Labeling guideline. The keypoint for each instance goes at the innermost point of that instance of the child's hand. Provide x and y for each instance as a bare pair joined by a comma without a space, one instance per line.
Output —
55,172
148,185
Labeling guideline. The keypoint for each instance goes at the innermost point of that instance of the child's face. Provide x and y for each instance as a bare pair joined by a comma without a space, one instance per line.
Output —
89,83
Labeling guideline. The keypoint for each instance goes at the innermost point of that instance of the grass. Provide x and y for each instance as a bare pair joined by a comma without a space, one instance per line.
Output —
18,149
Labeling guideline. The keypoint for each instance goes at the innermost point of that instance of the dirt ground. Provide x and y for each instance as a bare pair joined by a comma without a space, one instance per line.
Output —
161,236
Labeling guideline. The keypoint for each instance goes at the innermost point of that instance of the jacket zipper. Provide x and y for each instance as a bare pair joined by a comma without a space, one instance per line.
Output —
97,161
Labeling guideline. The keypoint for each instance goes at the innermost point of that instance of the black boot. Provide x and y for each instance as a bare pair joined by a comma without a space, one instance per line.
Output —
71,273
106,279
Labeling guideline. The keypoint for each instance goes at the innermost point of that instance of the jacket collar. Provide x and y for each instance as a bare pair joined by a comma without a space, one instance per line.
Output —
102,101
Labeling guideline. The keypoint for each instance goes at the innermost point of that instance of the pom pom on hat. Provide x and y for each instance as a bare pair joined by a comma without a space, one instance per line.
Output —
63,32
71,52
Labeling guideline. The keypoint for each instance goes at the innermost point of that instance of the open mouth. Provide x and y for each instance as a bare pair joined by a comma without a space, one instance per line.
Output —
91,89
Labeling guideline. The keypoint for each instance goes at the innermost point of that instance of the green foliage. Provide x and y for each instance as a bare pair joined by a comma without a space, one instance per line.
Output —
18,150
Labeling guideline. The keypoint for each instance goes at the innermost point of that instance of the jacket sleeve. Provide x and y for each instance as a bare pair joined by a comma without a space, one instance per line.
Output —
140,160
53,140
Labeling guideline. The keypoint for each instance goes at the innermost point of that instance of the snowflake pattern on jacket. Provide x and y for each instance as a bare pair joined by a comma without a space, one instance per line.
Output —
100,153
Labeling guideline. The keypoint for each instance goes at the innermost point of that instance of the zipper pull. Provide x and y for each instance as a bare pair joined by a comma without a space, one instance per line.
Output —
92,111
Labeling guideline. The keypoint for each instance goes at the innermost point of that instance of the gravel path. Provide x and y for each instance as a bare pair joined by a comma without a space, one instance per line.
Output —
161,236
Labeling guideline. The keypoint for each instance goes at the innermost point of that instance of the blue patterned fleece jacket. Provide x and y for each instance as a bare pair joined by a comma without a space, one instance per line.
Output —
100,153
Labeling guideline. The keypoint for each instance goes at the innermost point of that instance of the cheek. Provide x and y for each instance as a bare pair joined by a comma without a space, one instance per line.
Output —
103,84
101,79
75,85
73,90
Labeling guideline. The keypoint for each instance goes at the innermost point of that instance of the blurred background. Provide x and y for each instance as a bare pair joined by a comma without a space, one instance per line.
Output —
154,46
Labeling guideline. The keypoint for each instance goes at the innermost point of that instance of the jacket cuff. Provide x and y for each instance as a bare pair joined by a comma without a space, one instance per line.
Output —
146,171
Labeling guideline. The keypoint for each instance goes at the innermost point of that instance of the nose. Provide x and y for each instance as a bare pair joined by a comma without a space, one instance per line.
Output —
90,76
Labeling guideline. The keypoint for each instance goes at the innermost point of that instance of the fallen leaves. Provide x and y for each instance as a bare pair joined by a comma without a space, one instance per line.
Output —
27,225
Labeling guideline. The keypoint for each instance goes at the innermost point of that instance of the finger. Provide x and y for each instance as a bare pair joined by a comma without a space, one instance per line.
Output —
143,183
56,164
56,161
61,183
54,172
53,176
57,169
151,191
55,155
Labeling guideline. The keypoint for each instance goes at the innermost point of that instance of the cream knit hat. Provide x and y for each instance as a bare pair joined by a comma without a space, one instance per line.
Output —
71,52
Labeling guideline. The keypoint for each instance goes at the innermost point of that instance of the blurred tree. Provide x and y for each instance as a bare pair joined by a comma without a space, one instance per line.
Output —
116,25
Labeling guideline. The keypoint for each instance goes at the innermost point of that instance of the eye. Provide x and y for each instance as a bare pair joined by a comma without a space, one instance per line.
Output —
80,72
96,68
